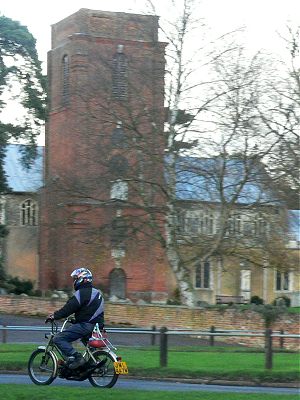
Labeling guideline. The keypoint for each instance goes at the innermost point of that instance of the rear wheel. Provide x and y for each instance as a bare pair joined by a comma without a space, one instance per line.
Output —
104,376
42,367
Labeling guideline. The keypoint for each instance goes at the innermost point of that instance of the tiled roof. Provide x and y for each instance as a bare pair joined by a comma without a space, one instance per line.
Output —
19,177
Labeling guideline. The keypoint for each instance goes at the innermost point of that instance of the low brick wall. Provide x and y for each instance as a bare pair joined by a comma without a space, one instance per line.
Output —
172,317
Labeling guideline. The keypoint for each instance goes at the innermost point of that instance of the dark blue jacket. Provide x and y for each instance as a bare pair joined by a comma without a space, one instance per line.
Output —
87,304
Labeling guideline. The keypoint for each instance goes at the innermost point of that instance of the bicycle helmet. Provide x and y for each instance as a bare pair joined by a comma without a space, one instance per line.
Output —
81,275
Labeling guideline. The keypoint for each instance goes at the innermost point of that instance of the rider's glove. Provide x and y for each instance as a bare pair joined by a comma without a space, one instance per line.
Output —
50,318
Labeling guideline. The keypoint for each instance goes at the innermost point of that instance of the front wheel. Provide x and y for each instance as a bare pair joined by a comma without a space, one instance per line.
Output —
42,367
104,376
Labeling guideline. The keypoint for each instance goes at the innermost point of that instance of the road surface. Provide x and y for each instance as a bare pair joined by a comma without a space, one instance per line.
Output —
150,385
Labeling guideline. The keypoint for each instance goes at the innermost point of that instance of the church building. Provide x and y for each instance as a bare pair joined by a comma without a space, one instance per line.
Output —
100,200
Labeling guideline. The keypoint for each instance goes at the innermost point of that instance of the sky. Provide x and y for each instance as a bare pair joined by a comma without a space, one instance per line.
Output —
263,18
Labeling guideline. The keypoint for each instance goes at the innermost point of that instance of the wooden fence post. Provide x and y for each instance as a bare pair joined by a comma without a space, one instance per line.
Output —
268,349
163,347
281,339
153,335
4,334
212,338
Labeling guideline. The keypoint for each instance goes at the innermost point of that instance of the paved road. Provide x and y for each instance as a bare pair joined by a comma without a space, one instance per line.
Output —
150,385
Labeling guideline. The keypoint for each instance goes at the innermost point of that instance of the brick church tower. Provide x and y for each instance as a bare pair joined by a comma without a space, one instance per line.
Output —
102,204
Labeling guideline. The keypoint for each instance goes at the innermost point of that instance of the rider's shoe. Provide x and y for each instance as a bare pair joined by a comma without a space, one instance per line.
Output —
76,361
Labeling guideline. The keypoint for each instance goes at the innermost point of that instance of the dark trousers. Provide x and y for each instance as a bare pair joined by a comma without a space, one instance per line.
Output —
74,332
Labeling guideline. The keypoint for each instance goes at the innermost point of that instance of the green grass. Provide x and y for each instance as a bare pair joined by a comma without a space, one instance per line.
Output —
294,310
220,365
26,392
206,362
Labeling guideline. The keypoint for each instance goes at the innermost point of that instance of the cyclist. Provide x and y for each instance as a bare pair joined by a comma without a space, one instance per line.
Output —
87,304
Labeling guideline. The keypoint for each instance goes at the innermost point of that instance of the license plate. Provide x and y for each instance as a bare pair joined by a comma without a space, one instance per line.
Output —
121,367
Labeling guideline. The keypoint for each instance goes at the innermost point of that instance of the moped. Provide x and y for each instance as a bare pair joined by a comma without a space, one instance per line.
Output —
102,366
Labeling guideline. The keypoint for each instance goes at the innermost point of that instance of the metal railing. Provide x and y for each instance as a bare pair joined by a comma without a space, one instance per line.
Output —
164,333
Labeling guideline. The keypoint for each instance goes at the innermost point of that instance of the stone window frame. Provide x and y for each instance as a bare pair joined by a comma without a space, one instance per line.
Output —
28,213
283,281
201,222
203,275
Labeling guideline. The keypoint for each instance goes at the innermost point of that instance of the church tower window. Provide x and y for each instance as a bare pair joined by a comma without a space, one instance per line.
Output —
119,74
65,80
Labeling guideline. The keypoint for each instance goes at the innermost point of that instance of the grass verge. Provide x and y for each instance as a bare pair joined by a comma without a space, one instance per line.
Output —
202,364
26,392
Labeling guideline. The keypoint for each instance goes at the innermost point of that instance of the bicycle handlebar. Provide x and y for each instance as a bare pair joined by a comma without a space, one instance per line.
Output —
54,326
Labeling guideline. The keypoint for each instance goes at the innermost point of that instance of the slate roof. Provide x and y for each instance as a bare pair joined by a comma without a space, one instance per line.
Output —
191,185
201,179
20,178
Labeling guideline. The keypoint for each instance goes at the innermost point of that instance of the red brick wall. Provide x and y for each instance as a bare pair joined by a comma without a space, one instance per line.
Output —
76,212
172,317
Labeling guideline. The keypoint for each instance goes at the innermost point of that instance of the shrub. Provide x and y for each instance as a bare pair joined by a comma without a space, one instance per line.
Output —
175,300
282,301
256,300
269,312
18,286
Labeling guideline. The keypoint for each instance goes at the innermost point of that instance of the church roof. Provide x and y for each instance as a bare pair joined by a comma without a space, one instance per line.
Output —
19,177
191,185
208,179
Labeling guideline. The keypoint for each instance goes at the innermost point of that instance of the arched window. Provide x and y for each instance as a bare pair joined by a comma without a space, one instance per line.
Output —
29,213
65,80
202,275
119,74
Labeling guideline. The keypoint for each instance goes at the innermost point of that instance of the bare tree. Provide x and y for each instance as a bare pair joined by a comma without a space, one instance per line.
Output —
281,116
190,177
